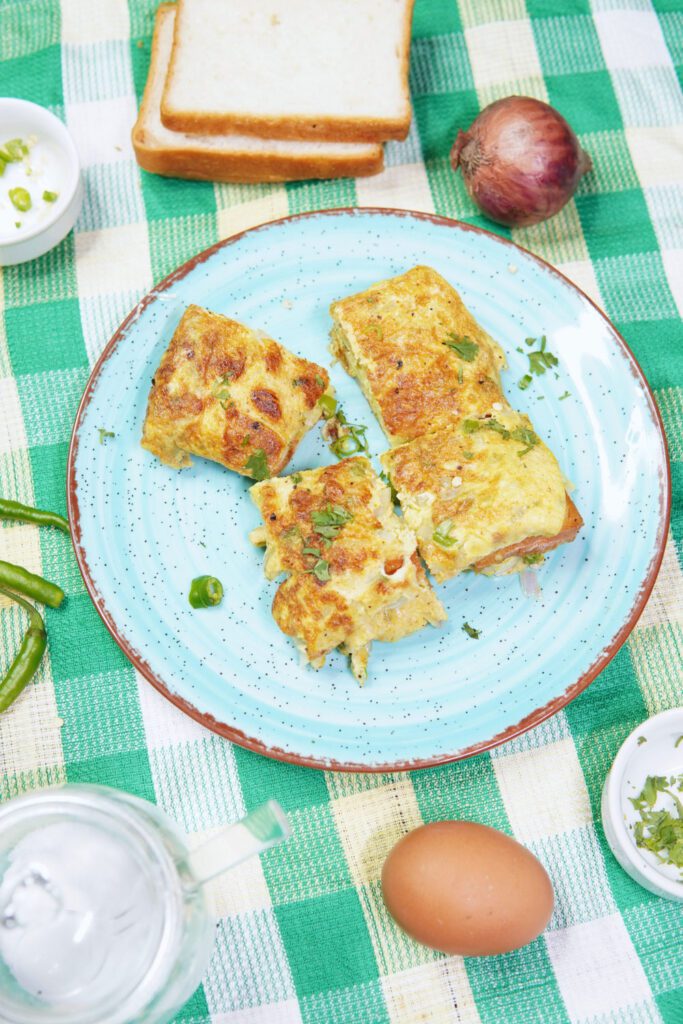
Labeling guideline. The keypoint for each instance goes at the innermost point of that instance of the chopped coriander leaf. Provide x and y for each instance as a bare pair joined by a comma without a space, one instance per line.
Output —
567,394
311,551
50,197
328,404
471,632
471,426
526,437
296,478
291,531
532,559
221,391
105,434
442,534
257,465
321,570
524,382
20,199
328,522
319,381
245,441
17,223
518,349
658,830
641,740
463,346
468,455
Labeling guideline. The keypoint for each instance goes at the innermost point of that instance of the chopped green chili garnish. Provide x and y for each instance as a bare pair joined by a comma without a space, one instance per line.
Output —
50,197
296,478
463,346
257,465
641,740
328,404
20,199
442,534
567,394
104,434
205,591
468,455
524,382
13,151
471,632
385,478
532,559
679,740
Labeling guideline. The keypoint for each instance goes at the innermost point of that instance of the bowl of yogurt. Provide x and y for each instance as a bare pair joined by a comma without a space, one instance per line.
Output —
40,181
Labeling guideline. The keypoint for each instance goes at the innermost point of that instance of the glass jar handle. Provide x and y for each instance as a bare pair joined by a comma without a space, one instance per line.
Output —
262,828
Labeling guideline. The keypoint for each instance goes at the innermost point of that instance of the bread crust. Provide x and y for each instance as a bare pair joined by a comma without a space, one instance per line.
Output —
199,164
321,127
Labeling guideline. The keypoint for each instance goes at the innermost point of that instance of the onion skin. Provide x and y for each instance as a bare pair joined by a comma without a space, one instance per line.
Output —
520,160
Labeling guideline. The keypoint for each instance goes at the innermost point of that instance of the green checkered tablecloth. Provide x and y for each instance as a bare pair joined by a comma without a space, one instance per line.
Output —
303,934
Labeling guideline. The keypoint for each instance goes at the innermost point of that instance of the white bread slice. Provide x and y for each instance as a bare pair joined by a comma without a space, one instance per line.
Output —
235,158
291,69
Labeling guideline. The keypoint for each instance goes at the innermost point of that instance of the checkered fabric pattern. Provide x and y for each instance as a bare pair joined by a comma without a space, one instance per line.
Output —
303,935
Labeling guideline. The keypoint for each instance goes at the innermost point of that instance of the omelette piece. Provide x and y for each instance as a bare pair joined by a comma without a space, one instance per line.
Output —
483,494
418,353
230,394
355,575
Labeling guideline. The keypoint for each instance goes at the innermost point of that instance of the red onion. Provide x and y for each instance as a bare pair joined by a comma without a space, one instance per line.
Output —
521,161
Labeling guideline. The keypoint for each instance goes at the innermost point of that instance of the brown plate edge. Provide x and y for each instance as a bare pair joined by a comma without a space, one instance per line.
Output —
251,743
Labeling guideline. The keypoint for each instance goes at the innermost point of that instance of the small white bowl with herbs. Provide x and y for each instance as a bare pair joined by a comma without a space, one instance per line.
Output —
642,805
40,181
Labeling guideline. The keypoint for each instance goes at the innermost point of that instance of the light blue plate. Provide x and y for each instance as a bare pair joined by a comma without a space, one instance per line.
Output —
143,531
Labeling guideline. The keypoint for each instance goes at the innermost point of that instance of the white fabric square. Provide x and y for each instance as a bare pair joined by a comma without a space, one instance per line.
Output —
237,891
666,600
631,39
577,870
405,188
437,992
89,21
30,731
581,272
598,970
113,260
543,790
165,725
12,432
656,154
233,219
100,316
287,1012
502,52
673,267
101,130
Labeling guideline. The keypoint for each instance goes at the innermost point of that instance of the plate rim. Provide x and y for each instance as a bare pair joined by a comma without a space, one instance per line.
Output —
231,733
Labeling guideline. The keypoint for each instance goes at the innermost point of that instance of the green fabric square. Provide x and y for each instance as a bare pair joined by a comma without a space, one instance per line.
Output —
635,287
327,943
311,863
567,45
460,791
47,279
549,8
448,191
616,224
613,169
658,346
440,64
174,197
45,337
264,779
655,930
320,195
588,101
101,712
48,469
518,986
439,117
360,1003
79,642
432,17
140,53
128,771
141,13
670,1005
195,1009
35,76
42,16
177,239
671,25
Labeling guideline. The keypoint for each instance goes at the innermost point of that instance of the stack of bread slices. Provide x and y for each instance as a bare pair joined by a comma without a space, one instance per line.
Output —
274,90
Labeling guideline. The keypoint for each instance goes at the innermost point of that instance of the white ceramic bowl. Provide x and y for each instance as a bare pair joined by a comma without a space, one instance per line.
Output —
55,168
649,750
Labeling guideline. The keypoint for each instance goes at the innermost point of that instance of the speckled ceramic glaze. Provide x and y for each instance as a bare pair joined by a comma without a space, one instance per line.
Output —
143,531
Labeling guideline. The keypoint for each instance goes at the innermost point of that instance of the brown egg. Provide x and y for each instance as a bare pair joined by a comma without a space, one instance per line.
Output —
465,888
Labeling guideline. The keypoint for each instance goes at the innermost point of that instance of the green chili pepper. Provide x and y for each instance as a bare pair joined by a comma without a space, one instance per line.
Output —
205,591
28,657
26,514
22,581
20,199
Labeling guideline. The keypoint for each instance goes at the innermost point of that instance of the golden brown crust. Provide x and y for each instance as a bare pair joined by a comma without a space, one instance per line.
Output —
372,584
319,127
234,165
214,395
537,545
393,337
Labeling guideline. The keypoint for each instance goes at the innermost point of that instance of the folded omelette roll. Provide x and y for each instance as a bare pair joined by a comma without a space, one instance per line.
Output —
230,394
484,494
418,353
355,573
